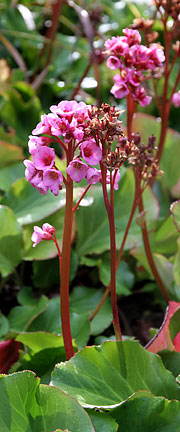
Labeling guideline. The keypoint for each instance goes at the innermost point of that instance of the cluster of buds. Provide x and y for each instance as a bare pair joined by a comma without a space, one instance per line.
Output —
145,25
134,61
105,124
91,136
143,157
170,7
88,134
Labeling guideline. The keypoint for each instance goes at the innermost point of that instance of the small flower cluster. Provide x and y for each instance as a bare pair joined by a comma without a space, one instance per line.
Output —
132,59
143,157
88,133
45,233
170,7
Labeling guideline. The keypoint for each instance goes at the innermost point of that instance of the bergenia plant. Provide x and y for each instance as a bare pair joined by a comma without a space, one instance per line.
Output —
86,135
95,147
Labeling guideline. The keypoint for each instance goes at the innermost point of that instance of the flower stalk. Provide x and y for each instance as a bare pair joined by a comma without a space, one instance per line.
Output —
110,212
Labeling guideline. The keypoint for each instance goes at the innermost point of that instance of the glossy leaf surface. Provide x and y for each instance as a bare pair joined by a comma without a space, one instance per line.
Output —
25,405
104,376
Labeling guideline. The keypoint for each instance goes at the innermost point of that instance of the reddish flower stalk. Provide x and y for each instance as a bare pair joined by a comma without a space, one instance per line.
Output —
110,212
150,257
108,289
141,208
65,268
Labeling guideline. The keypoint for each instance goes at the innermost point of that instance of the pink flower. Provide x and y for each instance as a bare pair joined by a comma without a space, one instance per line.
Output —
109,44
37,182
53,179
35,142
138,57
114,63
120,90
156,56
135,77
70,108
91,152
176,99
77,170
44,157
93,175
140,96
56,125
44,233
132,36
75,131
30,170
43,126
120,47
48,228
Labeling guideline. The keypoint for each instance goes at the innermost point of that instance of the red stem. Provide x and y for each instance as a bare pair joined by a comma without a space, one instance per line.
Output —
65,268
112,229
150,257
59,253
108,289
130,113
141,208
80,199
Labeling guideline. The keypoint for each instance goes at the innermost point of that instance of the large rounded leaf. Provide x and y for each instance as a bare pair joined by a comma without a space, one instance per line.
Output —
25,405
11,244
29,205
144,412
104,376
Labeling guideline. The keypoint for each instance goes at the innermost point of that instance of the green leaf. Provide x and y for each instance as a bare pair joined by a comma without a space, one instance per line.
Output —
21,109
171,360
164,267
124,277
85,300
146,125
44,351
165,238
176,266
11,244
103,422
144,412
20,317
4,325
104,376
29,205
25,405
38,341
175,210
94,236
9,153
9,174
49,320
46,273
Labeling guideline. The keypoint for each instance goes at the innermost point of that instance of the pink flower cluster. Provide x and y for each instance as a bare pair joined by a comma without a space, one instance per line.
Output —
131,58
70,120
